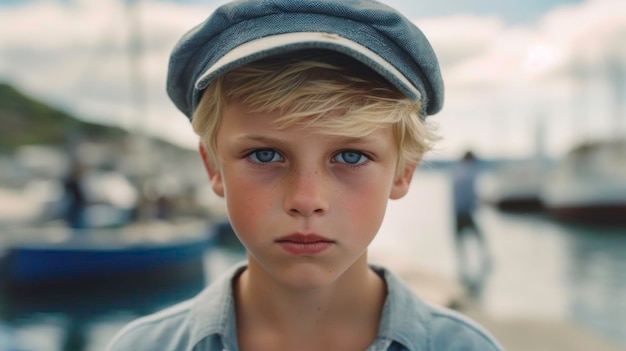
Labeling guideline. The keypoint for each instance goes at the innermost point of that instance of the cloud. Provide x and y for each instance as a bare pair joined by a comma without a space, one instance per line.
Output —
592,38
482,51
460,37
501,74
77,56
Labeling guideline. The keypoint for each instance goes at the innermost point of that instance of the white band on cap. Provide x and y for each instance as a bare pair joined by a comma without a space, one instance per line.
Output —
276,41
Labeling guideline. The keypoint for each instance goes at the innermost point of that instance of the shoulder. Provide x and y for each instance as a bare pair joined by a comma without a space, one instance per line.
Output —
165,330
452,331
205,319
419,325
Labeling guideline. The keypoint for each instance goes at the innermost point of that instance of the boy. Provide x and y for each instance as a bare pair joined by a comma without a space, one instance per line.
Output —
311,116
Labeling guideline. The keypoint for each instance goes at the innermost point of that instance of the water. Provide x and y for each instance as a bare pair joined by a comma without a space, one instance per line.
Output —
542,269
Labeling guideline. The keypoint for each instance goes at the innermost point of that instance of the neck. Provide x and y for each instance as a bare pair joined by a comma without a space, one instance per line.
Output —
351,303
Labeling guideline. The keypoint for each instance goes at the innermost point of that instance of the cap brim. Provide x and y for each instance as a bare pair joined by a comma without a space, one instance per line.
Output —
281,43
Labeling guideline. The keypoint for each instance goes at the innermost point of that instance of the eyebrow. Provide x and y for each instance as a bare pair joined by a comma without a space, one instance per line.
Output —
360,140
259,138
339,140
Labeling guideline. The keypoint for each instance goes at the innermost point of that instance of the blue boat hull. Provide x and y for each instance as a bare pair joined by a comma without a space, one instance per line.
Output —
36,265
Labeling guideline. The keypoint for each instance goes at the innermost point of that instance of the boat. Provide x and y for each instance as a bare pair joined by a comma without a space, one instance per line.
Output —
60,257
514,186
9,341
589,184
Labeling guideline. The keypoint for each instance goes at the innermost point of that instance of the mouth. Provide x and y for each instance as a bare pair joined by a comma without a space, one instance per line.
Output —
305,244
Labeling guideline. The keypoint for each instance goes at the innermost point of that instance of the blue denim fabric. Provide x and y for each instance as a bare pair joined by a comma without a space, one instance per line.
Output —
207,323
376,26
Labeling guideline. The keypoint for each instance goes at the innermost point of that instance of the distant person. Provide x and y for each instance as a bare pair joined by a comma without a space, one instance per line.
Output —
311,116
163,209
75,198
465,201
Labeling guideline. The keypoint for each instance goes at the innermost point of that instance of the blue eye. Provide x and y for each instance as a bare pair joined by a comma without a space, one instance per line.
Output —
350,157
265,156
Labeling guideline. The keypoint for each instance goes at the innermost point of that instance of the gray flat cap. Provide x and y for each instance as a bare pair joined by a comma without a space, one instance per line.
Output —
244,31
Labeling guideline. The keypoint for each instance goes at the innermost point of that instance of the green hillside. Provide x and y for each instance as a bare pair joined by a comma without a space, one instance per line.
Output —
26,121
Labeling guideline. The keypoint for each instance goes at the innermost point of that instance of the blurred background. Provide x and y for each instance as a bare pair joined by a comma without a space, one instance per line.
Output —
106,214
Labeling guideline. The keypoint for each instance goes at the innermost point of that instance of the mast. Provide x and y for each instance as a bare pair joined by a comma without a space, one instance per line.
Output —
618,80
139,139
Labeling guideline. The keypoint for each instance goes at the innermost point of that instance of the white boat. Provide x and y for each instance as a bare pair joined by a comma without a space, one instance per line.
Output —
589,184
514,186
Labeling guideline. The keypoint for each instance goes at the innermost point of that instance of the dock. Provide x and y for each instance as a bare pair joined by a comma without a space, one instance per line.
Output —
524,334
514,334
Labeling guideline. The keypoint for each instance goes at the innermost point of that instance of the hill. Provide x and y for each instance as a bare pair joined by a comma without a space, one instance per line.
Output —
26,121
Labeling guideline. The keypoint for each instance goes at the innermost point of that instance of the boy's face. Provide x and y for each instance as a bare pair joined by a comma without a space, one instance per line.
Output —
304,204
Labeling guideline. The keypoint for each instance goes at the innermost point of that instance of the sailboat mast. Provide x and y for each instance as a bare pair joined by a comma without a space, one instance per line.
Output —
139,138
618,78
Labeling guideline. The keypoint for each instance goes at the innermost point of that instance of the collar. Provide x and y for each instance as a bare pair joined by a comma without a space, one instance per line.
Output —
404,319
405,316
212,313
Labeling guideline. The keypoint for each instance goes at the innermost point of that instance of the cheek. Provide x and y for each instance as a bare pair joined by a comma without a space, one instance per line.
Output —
247,203
365,204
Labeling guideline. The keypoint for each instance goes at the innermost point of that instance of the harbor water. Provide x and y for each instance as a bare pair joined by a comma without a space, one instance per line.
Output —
541,269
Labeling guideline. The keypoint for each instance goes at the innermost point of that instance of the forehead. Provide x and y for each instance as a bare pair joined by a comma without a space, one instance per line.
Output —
237,118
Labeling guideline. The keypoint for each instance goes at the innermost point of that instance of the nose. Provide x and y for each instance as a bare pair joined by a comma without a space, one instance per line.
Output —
307,193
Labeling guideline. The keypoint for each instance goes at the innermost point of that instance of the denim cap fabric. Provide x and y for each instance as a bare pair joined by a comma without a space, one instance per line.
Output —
247,30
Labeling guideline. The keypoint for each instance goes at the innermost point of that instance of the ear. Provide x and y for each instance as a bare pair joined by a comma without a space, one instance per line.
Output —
401,183
215,176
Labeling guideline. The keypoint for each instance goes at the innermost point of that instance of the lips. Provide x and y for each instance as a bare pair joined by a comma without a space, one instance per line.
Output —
305,244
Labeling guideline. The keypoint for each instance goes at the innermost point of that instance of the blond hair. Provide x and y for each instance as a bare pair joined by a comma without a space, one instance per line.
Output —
325,91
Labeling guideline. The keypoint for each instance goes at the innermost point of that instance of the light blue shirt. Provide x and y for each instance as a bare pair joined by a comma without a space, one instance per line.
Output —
207,323
464,177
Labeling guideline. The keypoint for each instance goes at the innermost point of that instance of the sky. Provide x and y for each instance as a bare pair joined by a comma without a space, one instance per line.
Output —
513,69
